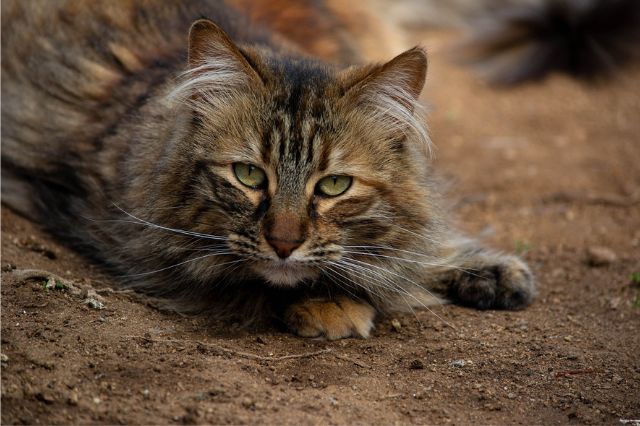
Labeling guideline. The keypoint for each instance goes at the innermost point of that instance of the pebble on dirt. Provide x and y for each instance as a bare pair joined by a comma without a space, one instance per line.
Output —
73,398
459,363
248,403
395,324
93,303
600,256
93,299
8,267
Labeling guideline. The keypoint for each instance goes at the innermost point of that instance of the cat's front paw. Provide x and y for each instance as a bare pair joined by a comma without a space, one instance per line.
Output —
333,319
500,282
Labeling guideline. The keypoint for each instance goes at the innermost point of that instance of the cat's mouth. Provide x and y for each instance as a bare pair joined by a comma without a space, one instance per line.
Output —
285,272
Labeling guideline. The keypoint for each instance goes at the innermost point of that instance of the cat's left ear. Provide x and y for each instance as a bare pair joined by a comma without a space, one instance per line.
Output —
400,80
384,98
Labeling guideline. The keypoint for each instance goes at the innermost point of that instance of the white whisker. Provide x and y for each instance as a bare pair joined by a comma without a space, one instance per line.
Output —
164,228
195,259
409,281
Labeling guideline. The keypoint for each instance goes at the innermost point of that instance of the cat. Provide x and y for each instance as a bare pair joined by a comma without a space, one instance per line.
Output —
206,160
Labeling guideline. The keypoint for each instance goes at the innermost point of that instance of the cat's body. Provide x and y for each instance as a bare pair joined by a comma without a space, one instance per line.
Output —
261,184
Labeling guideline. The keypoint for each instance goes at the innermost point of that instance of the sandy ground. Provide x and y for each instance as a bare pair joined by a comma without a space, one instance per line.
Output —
550,170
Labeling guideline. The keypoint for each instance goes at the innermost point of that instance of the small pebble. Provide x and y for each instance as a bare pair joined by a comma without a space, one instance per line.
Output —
459,363
600,256
248,403
93,303
396,325
51,284
7,267
45,397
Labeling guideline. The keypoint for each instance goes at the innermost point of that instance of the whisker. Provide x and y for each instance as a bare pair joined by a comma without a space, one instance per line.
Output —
333,273
400,258
195,259
409,281
435,265
383,281
156,226
357,284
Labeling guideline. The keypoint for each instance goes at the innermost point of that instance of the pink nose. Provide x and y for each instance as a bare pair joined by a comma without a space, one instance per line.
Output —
283,248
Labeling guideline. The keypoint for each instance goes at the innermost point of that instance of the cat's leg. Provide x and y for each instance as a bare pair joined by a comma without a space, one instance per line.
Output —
334,319
485,279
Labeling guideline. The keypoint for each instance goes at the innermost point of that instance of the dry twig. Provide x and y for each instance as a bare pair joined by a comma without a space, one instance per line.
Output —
355,361
235,352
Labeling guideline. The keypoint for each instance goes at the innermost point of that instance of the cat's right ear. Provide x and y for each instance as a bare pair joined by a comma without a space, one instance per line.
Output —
210,48
216,66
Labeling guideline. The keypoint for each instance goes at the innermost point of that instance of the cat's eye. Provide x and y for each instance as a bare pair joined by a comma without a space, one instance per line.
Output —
332,186
250,175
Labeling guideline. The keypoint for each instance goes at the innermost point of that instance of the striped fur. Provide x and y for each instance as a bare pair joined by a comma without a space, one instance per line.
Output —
128,154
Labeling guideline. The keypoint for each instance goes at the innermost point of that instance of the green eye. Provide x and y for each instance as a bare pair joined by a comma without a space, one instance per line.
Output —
332,186
249,175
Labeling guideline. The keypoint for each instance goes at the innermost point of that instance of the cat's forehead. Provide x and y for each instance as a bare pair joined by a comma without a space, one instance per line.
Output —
297,140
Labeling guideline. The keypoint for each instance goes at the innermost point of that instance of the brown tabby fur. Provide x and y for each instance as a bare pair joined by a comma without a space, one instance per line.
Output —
119,137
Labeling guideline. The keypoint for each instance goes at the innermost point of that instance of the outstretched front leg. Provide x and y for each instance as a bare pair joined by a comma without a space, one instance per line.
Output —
485,279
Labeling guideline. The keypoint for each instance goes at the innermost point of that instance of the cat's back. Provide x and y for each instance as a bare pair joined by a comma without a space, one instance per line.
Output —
74,72
71,67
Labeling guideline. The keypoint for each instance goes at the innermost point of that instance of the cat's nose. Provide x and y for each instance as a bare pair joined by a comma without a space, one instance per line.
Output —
283,248
284,231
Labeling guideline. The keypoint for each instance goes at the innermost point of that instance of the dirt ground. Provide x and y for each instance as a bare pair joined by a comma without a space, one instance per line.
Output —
551,170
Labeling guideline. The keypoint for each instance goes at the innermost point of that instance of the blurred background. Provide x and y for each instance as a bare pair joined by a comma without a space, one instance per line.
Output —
535,110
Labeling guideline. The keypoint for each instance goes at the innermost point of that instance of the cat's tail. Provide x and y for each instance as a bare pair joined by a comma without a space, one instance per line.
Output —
524,41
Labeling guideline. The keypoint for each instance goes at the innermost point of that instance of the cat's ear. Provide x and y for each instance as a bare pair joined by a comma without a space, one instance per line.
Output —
401,80
211,50
387,95
217,68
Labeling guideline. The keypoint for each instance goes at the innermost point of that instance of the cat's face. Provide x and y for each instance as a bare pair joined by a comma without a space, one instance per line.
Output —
299,164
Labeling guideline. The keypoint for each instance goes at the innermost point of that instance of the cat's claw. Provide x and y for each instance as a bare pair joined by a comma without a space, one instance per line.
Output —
333,319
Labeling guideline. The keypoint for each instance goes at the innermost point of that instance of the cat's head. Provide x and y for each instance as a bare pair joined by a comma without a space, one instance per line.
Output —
295,164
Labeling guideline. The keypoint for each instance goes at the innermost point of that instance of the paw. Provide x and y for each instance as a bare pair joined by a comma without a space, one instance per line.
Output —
333,319
501,282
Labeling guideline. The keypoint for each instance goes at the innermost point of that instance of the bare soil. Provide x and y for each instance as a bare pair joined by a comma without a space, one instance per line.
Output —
551,170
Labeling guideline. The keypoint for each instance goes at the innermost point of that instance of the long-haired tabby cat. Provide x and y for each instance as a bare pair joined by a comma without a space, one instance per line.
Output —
218,166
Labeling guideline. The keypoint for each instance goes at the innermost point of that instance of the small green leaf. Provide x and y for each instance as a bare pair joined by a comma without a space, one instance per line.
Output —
522,247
